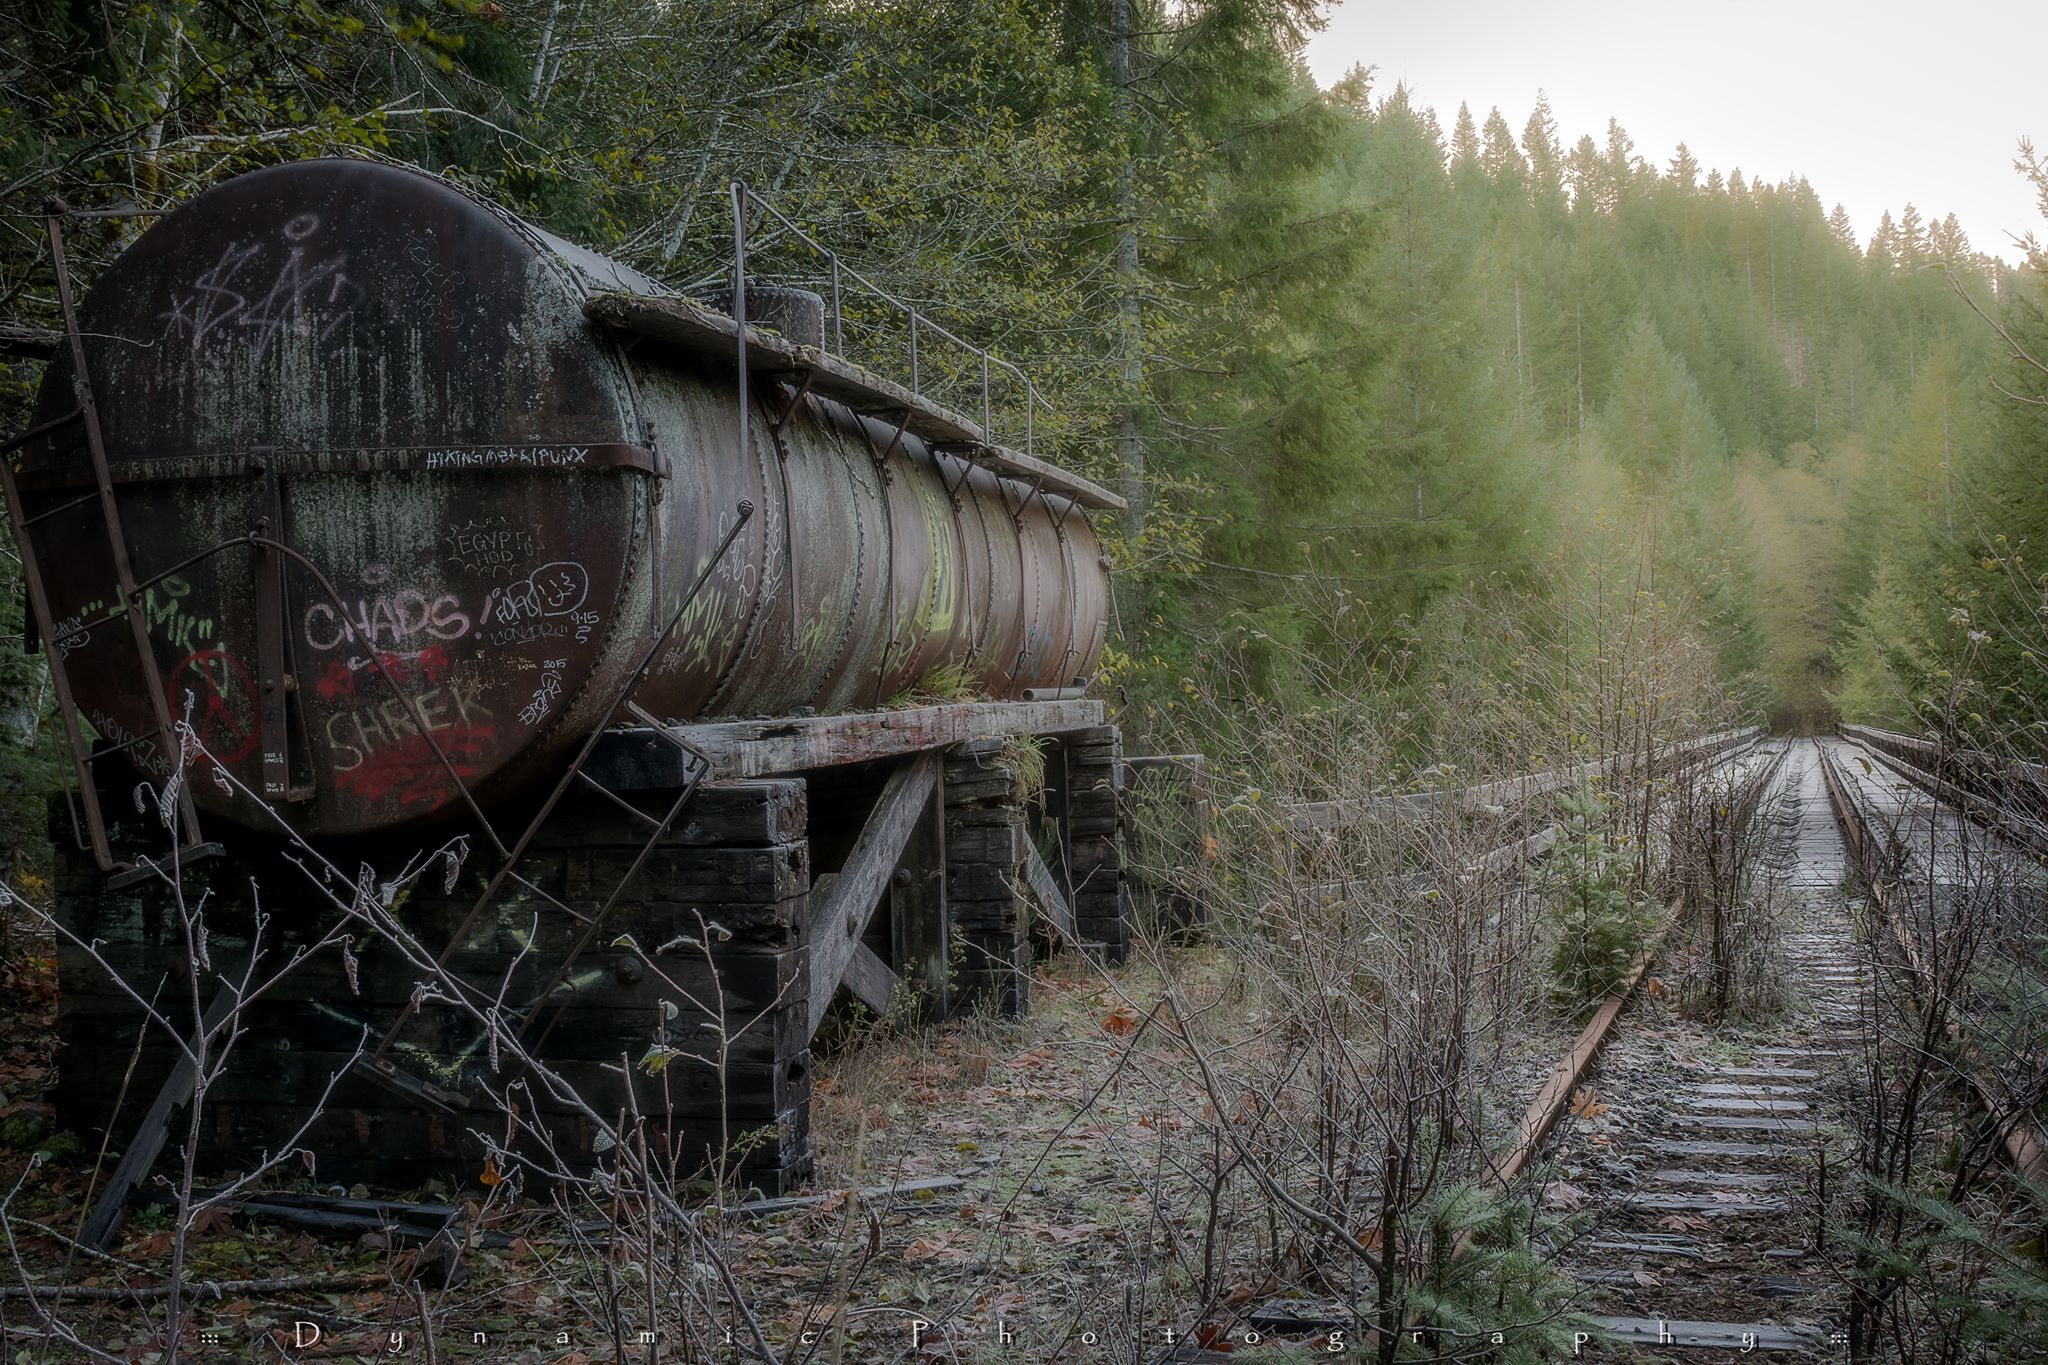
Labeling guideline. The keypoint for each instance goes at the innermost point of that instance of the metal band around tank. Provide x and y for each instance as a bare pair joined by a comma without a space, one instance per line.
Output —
404,460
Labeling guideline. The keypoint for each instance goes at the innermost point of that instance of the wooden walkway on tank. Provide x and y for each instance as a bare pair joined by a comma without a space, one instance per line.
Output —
714,336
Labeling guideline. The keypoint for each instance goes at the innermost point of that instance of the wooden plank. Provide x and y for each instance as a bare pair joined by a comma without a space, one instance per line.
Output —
920,928
1688,1334
2023,1145
765,748
154,1129
1040,879
1507,794
761,813
846,906
713,336
872,981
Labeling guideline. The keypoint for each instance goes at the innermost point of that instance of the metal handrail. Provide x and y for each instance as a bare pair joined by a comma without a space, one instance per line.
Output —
745,197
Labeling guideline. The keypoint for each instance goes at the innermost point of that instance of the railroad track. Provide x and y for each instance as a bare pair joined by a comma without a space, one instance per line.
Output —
1702,1154
1705,1158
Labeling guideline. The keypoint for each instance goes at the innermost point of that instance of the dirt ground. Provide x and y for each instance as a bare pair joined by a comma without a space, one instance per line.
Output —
1079,1136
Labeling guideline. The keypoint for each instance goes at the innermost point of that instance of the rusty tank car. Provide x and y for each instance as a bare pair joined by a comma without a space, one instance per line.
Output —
492,502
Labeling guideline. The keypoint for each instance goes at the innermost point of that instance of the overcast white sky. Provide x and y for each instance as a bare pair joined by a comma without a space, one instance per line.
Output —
1875,102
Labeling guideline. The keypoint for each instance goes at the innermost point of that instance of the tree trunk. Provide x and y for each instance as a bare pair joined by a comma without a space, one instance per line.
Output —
540,55
1130,440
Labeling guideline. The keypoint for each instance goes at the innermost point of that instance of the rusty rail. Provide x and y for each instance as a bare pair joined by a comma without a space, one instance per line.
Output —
1549,1103
2022,1143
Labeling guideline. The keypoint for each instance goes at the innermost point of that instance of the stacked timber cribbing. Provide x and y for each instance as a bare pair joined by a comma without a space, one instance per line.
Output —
1094,776
984,852
689,1009
706,1037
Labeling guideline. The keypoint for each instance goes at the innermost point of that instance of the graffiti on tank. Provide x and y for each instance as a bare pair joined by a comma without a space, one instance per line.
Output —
144,755
701,632
556,589
70,633
941,606
500,457
223,698
268,289
408,772
738,570
545,695
164,608
343,676
389,619
360,737
493,548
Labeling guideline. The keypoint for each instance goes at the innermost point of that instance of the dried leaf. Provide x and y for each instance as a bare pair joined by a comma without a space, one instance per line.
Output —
1560,1195
1585,1105
1120,1022
211,1222
489,1175
924,1249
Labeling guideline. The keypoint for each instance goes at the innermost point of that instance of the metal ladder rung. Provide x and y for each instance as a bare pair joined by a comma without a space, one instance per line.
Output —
672,733
107,618
608,794
70,418
121,748
568,910
62,507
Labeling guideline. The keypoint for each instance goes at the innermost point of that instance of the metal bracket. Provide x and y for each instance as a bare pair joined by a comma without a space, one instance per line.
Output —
796,398
882,455
1037,487
966,469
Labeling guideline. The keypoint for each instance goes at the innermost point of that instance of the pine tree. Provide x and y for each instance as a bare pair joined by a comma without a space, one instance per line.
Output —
1838,224
1623,164
1685,171
1911,248
1502,159
1464,140
1883,254
1546,158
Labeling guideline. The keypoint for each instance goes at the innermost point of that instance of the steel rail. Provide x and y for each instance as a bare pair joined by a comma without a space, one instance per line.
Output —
2022,1143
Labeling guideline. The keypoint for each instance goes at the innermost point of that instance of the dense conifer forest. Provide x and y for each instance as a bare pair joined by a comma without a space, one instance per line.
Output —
1375,368
1459,445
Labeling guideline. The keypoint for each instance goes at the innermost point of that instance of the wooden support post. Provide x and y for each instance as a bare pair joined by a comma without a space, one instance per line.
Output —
1169,838
846,906
1093,837
919,926
1051,897
985,849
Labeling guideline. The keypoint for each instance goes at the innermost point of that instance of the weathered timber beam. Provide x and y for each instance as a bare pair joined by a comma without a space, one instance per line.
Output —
2023,1143
849,902
1040,879
627,760
154,1130
28,343
1503,794
872,981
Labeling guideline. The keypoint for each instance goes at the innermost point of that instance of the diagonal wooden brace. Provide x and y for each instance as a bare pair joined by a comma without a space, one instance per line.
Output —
849,902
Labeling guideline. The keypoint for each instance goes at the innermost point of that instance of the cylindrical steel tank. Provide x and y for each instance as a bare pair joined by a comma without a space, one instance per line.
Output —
398,380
